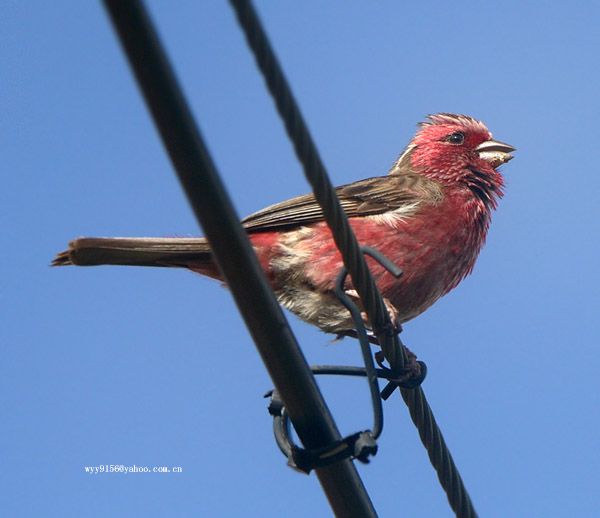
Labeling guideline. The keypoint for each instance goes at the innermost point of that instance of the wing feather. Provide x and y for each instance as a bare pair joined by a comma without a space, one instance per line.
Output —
368,197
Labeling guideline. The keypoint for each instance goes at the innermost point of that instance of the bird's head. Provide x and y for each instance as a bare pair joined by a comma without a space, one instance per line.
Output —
447,147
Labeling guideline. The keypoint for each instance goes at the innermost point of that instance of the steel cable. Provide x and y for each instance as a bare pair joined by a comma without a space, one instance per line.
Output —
314,170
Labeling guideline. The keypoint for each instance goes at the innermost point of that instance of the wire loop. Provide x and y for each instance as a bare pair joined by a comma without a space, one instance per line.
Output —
360,446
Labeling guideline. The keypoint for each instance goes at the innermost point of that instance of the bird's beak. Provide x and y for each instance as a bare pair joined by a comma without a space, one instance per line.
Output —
495,152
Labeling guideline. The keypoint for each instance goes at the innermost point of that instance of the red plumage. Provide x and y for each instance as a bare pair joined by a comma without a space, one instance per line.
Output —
429,215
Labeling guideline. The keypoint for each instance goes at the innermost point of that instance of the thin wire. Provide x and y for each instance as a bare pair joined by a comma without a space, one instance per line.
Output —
365,349
364,284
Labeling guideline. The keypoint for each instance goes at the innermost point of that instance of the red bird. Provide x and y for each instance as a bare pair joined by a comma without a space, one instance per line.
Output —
429,215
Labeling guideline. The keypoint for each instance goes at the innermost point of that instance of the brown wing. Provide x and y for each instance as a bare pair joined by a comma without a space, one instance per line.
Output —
363,198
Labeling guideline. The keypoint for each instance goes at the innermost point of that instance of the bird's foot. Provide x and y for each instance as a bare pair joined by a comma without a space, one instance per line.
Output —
393,313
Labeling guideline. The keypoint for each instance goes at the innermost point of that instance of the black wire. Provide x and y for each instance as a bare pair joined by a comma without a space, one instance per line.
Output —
212,206
365,350
314,170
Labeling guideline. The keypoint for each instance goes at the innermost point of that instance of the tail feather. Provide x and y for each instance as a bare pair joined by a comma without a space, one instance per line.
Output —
136,251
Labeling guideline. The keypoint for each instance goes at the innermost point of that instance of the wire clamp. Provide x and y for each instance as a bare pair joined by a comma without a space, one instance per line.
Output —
360,446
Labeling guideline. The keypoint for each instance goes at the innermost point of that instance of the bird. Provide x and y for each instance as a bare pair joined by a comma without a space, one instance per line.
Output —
429,215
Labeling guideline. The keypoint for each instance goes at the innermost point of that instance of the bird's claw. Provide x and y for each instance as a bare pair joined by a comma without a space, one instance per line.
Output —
393,313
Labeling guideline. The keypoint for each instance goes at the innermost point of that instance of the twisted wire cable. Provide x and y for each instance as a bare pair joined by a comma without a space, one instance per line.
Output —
438,452
306,151
316,174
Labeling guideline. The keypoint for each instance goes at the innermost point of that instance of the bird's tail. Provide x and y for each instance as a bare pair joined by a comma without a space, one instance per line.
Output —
139,251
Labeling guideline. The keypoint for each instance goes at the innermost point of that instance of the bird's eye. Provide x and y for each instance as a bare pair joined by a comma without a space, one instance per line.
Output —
456,138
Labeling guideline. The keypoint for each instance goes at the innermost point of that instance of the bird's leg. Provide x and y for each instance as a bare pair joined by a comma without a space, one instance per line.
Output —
412,368
390,308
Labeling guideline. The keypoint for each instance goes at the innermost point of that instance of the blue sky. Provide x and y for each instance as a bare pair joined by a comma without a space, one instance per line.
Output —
154,367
